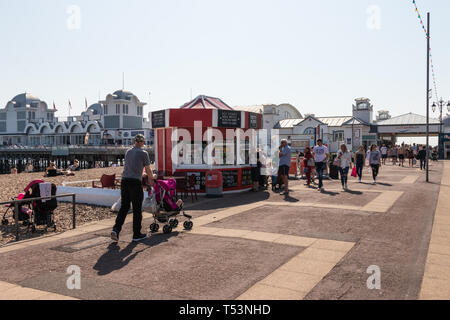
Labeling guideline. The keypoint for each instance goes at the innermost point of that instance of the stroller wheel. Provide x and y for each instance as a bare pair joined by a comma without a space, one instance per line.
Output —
167,229
173,223
188,225
5,222
154,227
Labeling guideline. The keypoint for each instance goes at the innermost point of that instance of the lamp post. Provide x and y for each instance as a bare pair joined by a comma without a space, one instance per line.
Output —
440,104
428,96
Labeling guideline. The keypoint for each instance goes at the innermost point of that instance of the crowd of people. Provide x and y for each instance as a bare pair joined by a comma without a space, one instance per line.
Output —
313,162
398,154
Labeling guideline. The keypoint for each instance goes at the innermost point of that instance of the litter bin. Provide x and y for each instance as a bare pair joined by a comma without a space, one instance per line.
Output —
293,168
214,184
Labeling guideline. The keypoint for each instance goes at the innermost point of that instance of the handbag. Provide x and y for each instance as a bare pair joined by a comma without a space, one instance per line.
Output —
354,174
337,162
311,162
149,205
116,206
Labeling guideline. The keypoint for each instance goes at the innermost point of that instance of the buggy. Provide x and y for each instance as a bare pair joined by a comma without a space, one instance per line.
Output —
33,213
167,207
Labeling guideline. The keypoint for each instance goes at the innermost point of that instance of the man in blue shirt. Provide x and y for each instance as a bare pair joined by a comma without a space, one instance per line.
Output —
285,165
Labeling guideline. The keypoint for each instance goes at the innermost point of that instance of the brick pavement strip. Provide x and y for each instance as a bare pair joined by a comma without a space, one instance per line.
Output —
436,280
296,278
10,291
383,202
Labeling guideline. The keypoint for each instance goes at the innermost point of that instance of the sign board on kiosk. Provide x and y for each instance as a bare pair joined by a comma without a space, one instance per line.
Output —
253,120
159,119
229,119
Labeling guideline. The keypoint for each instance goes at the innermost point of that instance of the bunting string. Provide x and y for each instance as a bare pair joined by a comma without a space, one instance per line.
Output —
431,56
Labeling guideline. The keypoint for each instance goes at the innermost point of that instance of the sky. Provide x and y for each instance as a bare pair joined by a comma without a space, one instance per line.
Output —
316,55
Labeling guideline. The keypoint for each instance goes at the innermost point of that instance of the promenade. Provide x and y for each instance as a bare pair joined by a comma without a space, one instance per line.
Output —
309,245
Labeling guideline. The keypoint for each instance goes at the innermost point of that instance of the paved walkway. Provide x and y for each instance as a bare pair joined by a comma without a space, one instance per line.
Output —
259,246
436,281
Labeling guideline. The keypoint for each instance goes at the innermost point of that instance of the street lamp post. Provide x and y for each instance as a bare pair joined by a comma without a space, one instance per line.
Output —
428,95
440,105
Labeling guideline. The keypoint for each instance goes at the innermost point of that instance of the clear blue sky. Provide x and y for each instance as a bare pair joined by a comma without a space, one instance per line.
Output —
317,55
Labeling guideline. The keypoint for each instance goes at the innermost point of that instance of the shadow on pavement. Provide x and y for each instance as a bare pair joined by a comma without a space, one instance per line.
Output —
330,193
115,258
384,184
229,201
288,198
353,192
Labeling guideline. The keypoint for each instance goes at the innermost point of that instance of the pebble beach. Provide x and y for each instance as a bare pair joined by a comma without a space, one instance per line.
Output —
11,185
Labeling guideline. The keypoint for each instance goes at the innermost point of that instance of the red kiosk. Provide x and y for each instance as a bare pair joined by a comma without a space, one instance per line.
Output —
171,125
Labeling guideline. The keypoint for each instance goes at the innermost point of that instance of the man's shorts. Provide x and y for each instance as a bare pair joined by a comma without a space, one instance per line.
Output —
384,156
284,170
401,156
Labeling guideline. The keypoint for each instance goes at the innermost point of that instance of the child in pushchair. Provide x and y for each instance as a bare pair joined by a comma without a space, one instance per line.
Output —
38,212
167,207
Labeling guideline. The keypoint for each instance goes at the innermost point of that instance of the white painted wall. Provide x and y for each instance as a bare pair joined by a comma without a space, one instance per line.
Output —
92,196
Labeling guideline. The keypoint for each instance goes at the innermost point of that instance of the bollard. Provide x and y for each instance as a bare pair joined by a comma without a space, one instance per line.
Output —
16,218
73,211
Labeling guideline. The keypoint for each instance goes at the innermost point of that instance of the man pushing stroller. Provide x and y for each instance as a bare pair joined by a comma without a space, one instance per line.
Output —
136,160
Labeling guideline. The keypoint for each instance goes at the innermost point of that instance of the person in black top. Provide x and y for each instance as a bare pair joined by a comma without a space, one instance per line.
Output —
136,160
422,157
360,160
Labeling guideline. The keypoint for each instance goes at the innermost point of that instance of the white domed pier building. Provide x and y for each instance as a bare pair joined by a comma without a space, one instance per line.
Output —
27,120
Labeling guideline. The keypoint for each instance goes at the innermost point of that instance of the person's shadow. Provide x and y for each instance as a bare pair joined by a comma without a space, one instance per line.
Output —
330,193
384,184
288,198
353,192
115,258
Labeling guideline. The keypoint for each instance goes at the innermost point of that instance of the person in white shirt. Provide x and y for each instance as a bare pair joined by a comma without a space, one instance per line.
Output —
345,159
384,154
320,154
374,161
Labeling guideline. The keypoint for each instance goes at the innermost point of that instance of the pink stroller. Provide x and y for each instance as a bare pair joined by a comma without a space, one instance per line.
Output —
164,193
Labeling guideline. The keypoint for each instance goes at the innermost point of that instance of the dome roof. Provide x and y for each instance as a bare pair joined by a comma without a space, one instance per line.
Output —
24,99
96,109
123,94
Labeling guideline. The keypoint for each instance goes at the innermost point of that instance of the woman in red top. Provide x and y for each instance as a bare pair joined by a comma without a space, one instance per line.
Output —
308,169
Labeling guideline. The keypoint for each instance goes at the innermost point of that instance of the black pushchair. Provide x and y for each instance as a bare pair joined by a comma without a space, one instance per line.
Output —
34,213
43,209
